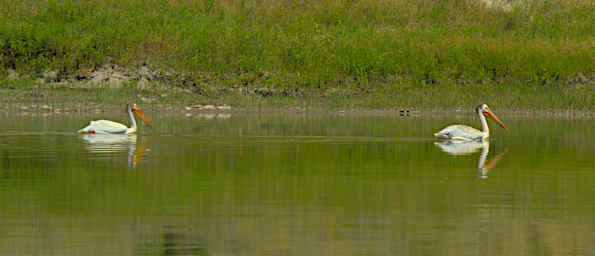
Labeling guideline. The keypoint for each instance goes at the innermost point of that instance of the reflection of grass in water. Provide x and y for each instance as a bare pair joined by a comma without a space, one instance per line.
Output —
400,189
368,187
207,168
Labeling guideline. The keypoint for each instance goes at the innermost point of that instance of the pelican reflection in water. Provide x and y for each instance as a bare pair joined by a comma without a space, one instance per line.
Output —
116,143
470,147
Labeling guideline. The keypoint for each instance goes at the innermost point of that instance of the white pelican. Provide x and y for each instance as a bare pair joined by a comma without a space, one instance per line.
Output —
111,127
466,133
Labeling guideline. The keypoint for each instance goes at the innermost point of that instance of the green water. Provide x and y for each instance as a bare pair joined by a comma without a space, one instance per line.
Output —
300,184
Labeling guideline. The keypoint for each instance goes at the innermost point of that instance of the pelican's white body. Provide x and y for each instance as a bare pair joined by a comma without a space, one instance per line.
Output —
107,127
110,127
460,132
464,132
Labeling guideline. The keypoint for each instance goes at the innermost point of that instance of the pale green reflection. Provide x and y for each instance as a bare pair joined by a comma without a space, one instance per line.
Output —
251,184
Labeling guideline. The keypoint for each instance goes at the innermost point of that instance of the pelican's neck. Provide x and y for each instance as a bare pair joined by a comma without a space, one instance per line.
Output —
484,124
132,122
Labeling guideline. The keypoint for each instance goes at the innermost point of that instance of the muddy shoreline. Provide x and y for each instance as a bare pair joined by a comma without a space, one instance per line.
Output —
108,88
225,110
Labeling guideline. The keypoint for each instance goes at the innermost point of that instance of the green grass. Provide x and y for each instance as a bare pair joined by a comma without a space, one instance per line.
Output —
388,46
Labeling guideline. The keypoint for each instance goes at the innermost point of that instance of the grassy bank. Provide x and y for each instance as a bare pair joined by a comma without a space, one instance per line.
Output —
539,53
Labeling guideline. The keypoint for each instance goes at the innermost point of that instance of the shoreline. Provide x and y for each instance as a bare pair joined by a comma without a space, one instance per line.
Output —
176,109
564,99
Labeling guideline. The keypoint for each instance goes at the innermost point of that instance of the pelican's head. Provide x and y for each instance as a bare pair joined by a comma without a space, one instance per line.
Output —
132,107
484,110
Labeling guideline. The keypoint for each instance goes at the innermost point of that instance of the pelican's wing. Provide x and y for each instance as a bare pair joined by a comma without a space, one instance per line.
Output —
457,131
104,127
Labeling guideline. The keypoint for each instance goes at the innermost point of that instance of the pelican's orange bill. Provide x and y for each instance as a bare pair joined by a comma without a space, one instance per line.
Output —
491,115
137,111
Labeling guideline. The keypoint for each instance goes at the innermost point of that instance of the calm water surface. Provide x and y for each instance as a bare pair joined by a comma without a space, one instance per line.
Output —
249,184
